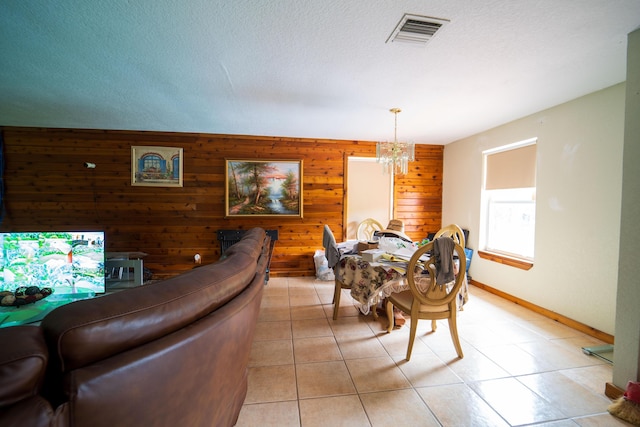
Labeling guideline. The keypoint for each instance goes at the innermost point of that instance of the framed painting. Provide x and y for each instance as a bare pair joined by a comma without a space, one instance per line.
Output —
263,188
156,166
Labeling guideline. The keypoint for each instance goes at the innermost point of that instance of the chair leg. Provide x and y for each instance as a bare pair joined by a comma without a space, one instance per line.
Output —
453,328
434,325
389,307
336,300
412,334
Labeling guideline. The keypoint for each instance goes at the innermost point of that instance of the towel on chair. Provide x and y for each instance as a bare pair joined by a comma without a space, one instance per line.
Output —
330,247
443,253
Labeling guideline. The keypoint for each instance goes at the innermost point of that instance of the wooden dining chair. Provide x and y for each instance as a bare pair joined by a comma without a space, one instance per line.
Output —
366,229
454,231
427,299
457,234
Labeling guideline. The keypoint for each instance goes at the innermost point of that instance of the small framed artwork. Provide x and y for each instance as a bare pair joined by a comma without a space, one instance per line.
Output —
156,166
263,188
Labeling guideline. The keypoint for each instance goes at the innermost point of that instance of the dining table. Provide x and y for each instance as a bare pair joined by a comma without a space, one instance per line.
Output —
372,281
369,281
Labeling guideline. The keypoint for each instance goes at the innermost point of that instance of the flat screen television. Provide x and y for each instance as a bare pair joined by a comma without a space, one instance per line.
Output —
68,262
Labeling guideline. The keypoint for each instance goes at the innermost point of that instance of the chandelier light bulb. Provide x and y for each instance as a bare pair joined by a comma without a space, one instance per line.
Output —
395,156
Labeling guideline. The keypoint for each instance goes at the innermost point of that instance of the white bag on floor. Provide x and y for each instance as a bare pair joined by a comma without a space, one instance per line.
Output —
323,272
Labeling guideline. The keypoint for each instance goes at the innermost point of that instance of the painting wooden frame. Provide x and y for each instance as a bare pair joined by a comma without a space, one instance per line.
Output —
263,188
156,166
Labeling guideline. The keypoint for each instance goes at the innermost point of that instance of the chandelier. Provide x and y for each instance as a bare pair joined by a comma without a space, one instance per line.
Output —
395,156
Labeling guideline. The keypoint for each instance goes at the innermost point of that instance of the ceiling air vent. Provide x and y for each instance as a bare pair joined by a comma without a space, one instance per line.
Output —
416,29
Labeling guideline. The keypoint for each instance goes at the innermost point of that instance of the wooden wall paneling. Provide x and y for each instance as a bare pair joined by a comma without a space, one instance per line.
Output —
47,187
418,194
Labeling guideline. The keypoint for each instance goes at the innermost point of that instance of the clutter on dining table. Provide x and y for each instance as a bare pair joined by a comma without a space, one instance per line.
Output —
395,228
422,242
350,247
372,255
365,246
377,273
392,244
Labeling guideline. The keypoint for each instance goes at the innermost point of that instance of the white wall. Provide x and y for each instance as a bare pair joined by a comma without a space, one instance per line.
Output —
626,362
579,180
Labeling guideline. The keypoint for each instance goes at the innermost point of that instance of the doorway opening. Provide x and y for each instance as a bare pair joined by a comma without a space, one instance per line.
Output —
369,193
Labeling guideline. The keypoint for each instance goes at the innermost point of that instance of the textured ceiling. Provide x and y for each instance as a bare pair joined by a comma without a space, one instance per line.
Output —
303,68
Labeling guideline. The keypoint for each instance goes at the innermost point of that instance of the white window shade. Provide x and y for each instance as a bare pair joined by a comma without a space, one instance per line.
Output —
515,168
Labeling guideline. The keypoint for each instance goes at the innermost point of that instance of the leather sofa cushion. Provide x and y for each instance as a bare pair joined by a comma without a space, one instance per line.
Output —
33,412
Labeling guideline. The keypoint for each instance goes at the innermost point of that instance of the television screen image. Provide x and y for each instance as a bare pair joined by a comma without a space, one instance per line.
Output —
67,262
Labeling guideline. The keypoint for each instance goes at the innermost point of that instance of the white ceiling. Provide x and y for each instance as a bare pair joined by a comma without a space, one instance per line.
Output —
303,68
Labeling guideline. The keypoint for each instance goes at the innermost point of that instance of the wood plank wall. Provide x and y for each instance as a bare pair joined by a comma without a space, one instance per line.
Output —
48,188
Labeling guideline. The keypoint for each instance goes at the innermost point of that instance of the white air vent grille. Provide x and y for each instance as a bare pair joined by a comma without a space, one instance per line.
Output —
416,29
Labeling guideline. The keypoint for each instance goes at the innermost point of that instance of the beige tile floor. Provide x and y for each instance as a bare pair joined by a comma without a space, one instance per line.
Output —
520,368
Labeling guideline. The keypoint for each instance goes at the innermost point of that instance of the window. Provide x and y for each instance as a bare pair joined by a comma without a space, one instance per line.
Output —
509,201
511,222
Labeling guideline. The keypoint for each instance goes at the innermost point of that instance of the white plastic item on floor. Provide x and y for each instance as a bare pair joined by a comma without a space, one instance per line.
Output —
323,272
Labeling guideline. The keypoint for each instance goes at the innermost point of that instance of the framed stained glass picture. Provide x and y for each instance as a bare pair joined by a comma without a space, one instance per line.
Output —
156,166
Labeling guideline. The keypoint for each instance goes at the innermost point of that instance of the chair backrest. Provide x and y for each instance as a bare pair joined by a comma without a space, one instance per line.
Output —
454,231
366,229
422,272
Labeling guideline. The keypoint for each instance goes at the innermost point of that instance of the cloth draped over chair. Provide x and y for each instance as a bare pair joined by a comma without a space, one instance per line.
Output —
330,247
443,253
333,257
457,234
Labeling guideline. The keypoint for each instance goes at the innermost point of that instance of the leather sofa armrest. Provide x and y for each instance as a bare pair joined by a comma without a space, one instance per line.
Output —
23,361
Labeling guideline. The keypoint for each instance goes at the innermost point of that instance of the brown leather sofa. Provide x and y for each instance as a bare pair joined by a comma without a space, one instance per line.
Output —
170,353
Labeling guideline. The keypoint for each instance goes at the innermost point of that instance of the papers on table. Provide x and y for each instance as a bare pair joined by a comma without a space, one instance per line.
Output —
404,253
396,263
348,247
407,253
399,259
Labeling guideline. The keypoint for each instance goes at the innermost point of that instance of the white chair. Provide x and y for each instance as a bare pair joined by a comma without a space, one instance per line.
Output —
366,229
454,231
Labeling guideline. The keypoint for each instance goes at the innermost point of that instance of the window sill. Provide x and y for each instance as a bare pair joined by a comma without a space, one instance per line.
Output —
501,259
